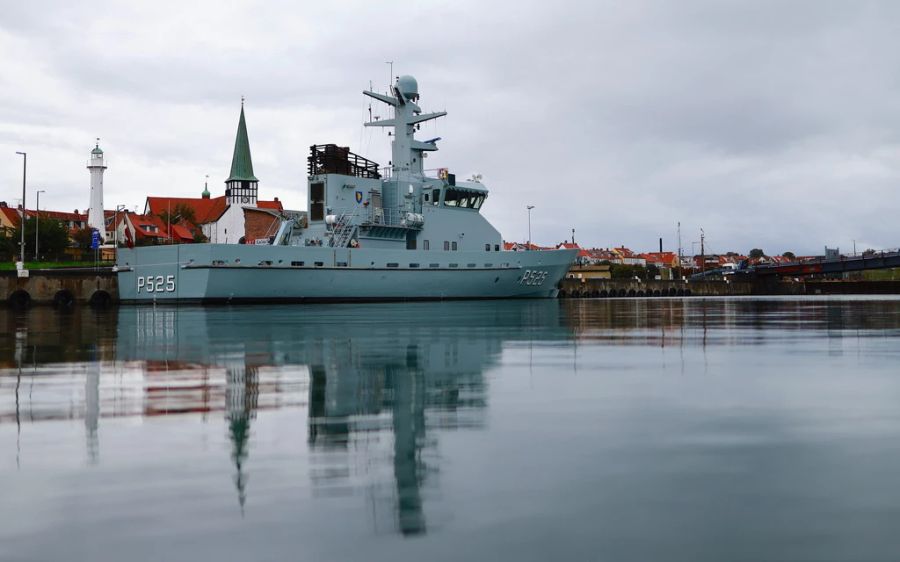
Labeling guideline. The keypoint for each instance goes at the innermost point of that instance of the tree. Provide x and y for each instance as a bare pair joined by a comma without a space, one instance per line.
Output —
623,271
82,238
53,238
9,246
789,255
181,212
756,253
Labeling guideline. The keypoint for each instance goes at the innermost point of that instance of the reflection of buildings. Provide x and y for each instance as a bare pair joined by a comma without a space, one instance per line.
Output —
671,322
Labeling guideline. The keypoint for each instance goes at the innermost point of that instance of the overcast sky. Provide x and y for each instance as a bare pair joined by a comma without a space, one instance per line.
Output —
769,124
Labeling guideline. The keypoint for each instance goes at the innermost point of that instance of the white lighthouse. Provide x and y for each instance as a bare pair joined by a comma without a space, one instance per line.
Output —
97,167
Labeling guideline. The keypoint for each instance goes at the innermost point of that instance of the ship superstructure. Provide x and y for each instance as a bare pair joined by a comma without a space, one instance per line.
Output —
355,203
369,233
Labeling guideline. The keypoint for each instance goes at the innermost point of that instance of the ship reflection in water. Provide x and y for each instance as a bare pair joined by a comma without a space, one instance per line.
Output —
366,381
374,381
653,428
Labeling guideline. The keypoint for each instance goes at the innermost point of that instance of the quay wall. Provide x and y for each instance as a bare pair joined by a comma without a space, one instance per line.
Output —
60,287
852,287
581,288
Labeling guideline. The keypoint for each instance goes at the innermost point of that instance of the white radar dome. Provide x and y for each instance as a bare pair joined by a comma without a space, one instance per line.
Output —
408,86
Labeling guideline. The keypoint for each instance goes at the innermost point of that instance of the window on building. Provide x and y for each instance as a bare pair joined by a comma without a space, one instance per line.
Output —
426,245
496,247
487,247
434,265
454,265
414,265
296,264
446,246
393,265
453,245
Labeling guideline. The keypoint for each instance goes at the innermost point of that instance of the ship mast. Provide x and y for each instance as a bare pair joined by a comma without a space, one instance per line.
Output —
406,152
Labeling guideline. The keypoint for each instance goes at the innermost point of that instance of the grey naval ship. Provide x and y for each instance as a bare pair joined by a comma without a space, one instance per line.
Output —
370,233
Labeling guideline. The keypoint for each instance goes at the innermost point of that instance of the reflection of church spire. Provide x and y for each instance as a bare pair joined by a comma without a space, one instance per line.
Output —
241,396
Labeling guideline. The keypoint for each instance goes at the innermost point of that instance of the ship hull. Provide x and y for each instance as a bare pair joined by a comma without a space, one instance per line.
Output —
247,273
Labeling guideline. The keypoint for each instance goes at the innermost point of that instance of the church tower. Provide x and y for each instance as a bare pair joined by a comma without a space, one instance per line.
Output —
97,167
241,185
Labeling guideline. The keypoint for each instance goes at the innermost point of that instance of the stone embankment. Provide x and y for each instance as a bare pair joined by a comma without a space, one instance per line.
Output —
60,287
852,287
604,288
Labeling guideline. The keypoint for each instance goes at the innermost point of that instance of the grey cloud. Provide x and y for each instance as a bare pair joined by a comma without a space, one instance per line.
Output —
766,123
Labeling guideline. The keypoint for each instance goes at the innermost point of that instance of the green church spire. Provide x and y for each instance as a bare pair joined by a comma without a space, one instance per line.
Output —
241,164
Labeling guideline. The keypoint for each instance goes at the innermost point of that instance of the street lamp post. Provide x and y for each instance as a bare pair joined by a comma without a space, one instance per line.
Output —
37,222
24,170
529,207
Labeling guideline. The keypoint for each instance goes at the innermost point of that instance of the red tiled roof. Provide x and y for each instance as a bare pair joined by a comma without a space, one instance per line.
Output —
179,232
12,215
59,215
664,258
182,233
140,222
274,205
205,210
524,246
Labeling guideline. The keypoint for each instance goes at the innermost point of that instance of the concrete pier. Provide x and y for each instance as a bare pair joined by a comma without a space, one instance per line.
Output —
60,287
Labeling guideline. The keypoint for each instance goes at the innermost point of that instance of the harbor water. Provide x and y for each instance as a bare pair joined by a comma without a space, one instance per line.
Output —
594,429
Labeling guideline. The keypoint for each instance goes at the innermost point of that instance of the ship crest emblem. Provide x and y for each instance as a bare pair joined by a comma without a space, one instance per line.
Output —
359,196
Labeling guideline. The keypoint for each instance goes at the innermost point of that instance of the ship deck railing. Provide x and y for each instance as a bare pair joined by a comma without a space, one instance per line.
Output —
380,216
334,159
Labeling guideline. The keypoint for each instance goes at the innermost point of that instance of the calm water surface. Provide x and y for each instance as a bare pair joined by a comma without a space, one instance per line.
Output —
618,430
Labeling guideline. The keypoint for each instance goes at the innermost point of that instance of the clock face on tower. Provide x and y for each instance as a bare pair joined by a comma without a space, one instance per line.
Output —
245,199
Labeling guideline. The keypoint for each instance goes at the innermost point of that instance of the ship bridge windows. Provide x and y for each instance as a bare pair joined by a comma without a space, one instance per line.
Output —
463,198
